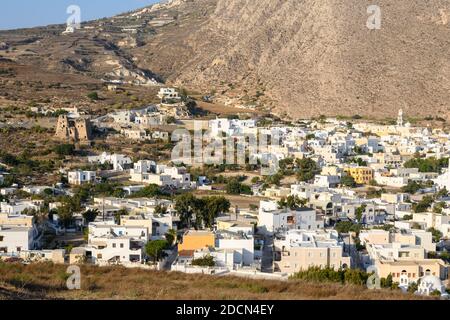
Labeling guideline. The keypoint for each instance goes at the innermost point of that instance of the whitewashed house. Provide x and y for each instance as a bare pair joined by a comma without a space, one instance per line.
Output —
110,244
81,177
119,162
271,219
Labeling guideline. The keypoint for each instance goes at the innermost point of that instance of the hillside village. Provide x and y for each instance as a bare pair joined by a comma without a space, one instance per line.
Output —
349,196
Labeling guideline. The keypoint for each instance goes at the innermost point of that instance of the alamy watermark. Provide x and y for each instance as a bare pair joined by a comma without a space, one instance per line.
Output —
74,20
374,20
74,280
374,281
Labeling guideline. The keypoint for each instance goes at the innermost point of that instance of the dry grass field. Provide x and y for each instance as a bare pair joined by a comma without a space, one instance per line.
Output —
47,281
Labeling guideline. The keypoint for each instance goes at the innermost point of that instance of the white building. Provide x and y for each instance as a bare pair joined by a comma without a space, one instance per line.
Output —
232,127
17,207
118,161
18,233
328,181
272,220
168,93
36,189
110,244
14,239
241,243
81,177
443,181
298,250
149,173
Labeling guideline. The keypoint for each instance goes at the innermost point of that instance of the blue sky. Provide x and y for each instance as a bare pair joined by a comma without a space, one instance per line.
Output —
30,13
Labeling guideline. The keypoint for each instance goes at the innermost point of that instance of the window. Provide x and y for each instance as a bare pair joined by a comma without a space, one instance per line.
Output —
114,245
121,245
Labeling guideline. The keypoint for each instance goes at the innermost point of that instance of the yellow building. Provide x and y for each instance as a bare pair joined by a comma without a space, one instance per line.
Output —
21,220
412,270
277,192
295,259
362,175
194,240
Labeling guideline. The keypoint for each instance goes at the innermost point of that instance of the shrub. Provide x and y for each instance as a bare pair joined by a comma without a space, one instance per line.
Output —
93,96
206,261
347,276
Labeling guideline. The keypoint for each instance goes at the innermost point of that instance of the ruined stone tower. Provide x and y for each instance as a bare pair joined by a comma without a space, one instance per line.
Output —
73,129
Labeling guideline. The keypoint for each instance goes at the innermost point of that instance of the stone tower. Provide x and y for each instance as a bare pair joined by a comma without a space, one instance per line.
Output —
62,128
73,130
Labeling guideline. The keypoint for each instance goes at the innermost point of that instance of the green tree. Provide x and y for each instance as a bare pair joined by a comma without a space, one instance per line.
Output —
171,237
427,165
160,209
206,261
437,235
438,207
306,169
359,212
171,120
90,215
150,191
155,249
435,293
413,287
408,217
387,282
348,181
93,96
119,214
235,187
214,207
412,187
347,276
65,149
184,205
255,180
292,202
65,215
347,226
423,205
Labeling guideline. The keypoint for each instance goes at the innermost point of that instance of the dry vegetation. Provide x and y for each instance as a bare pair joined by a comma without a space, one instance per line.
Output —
47,281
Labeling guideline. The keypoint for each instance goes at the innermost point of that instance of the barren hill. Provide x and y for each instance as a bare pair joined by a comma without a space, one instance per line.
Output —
298,57
48,281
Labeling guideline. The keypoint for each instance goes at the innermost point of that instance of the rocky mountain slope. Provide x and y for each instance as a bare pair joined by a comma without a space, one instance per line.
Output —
300,58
